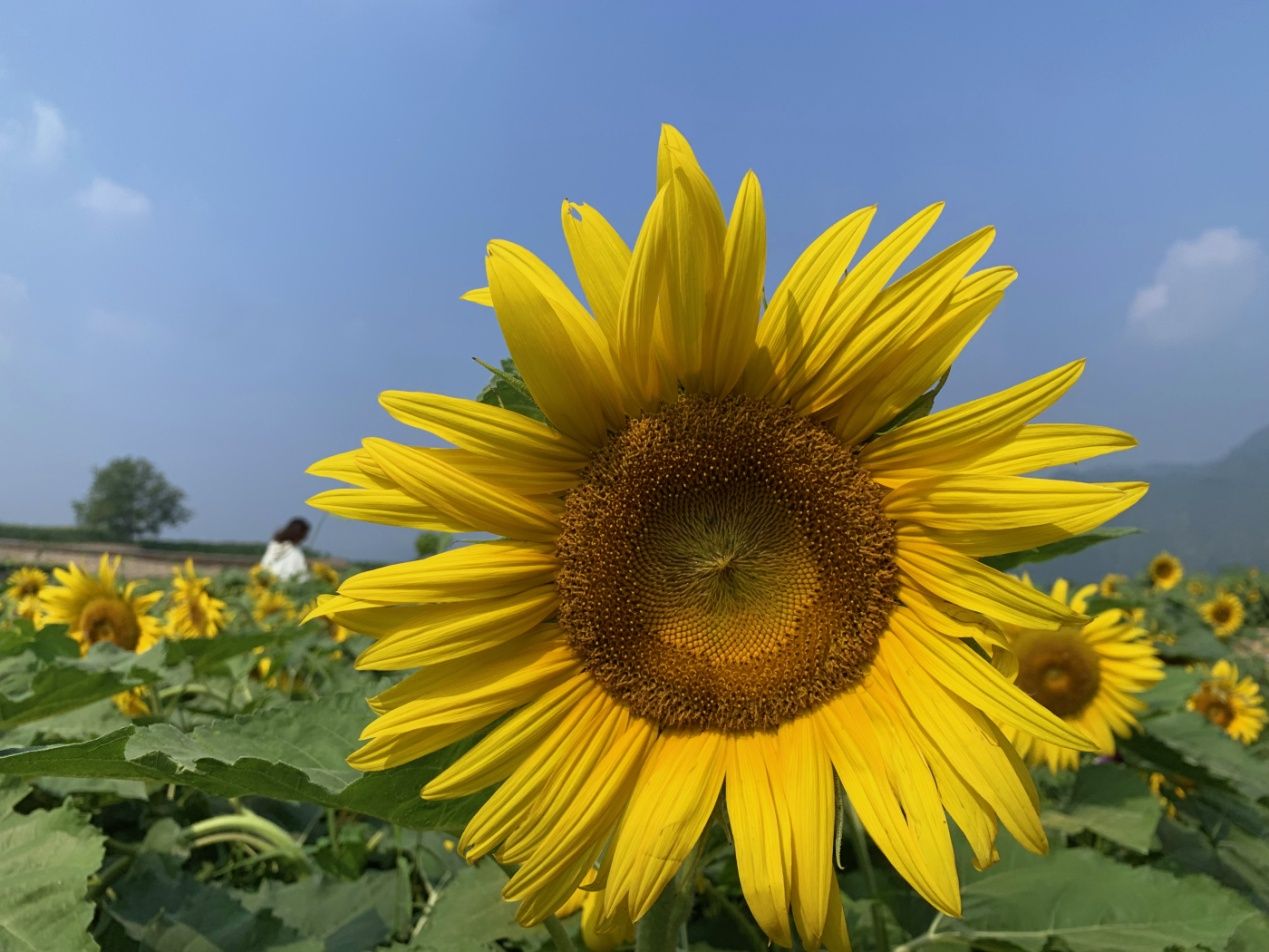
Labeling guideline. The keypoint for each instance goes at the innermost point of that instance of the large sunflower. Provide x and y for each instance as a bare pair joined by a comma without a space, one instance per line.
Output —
730,562
1165,571
98,608
1224,614
23,587
194,611
1232,703
1089,676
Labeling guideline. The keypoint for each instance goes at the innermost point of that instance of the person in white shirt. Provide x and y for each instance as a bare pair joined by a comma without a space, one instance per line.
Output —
283,556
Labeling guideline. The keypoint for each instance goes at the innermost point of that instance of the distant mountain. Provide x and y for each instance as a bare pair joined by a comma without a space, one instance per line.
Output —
1210,515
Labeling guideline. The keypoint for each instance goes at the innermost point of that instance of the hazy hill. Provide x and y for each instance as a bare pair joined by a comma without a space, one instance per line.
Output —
1210,515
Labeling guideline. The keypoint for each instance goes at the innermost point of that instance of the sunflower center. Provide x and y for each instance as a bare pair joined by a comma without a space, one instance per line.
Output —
1215,705
1221,613
725,565
110,619
1059,669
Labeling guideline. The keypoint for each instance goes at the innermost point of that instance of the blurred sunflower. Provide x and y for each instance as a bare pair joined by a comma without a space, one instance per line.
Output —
1196,587
260,577
1089,676
729,563
132,703
1232,703
1165,571
97,608
324,572
1111,585
1224,614
194,611
23,587
271,607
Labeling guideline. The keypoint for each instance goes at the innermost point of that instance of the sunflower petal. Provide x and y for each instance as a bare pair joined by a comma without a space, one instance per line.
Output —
760,828
1045,445
482,570
729,337
601,260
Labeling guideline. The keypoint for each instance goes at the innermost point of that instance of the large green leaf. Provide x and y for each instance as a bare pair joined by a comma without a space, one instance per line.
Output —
293,752
1112,801
1082,901
470,915
347,916
1053,550
46,858
1198,743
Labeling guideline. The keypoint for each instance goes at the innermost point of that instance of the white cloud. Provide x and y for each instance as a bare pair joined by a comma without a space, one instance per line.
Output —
109,199
13,307
39,141
48,134
1202,286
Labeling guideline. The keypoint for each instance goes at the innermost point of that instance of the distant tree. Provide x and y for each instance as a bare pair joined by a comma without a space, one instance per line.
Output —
129,498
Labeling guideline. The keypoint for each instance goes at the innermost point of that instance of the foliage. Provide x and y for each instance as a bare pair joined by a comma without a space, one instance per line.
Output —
215,810
130,498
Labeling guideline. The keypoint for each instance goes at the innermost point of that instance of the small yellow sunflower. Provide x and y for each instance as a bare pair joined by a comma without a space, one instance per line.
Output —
1196,587
272,607
261,577
728,569
1111,585
1165,571
133,703
324,572
23,588
1089,676
1232,703
97,608
1224,614
194,612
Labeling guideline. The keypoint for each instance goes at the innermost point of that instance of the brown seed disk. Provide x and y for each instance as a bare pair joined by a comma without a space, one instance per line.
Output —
1059,669
725,565
110,619
1214,704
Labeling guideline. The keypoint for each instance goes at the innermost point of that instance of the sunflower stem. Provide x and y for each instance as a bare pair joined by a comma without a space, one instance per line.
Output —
559,935
860,843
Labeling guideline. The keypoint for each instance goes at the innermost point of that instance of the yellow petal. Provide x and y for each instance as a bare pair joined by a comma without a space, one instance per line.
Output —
673,798
479,296
601,260
389,507
641,297
482,570
809,791
760,829
485,429
558,349
471,502
452,630
959,669
973,586
350,467
951,439
1044,445
729,337
383,753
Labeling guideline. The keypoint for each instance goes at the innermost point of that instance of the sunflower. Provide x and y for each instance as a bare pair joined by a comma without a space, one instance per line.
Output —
1224,614
97,608
324,572
1111,585
1196,587
597,935
1165,571
1089,676
271,607
1232,703
730,565
195,612
260,577
23,587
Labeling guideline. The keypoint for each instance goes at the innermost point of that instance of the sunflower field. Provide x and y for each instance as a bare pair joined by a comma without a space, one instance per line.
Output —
723,639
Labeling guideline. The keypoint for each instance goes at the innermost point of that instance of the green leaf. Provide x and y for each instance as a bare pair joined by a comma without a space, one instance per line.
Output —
1083,901
922,406
46,858
166,909
1199,743
347,916
292,752
36,684
1112,801
470,915
508,390
1053,550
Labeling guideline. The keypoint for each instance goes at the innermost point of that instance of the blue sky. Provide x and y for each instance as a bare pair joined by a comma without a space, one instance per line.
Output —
224,230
